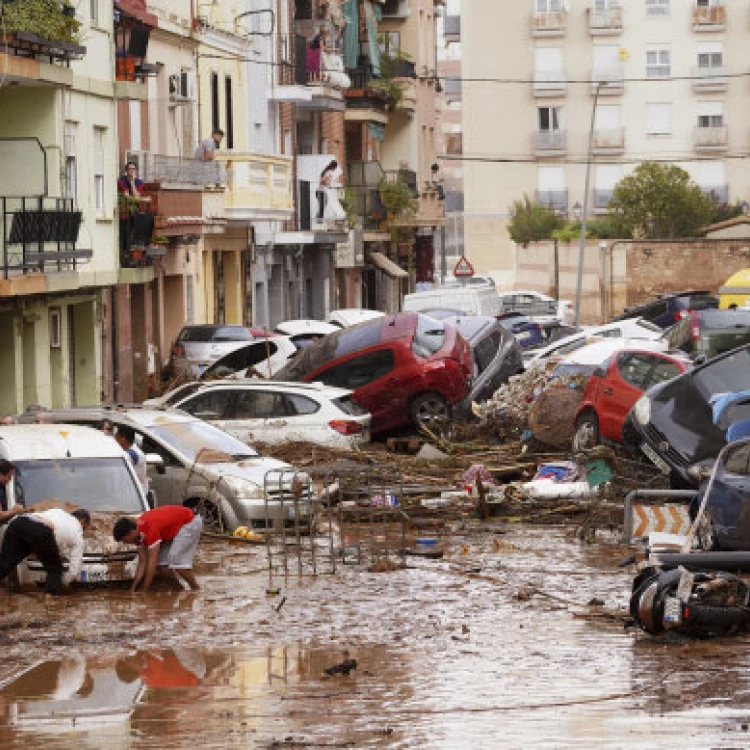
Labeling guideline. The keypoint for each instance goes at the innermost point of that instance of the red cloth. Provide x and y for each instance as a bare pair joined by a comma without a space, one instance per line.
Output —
166,672
162,524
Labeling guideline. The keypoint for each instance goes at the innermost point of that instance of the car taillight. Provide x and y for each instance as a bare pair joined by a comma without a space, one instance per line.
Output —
695,329
178,350
345,427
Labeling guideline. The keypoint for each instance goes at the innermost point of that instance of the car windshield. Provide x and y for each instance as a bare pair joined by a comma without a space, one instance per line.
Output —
209,333
96,484
179,393
729,374
428,336
202,442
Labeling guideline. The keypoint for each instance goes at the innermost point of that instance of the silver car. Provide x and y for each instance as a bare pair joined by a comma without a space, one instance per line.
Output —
198,346
193,463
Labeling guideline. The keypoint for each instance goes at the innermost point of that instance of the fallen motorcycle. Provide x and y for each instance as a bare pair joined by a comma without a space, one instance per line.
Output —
696,603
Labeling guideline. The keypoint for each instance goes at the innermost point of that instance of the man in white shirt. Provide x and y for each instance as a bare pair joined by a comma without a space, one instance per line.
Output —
50,535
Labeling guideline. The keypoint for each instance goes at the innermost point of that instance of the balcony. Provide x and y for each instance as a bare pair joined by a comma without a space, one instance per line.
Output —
365,102
548,24
177,171
550,143
557,200
711,139
709,78
710,18
602,197
133,25
608,81
452,29
609,141
39,237
396,9
549,83
259,186
607,22
363,180
309,168
717,193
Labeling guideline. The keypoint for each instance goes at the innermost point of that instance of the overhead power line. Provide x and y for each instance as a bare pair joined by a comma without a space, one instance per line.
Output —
551,161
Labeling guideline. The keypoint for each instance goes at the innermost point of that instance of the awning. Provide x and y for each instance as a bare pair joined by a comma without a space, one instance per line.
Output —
137,9
372,37
351,34
386,265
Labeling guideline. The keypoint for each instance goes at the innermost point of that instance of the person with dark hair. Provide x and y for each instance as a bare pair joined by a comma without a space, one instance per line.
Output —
207,148
130,184
106,426
49,534
7,469
167,538
126,438
329,206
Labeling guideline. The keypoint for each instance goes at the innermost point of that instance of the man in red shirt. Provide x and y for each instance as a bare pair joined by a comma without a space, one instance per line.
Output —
167,538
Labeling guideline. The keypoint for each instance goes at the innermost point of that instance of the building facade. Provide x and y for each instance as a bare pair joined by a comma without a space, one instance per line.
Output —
652,79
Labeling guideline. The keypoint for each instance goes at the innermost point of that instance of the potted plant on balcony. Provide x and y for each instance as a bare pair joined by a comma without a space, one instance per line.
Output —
397,198
157,245
136,253
48,19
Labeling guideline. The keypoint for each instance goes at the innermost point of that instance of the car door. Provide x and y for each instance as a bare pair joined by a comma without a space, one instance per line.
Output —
167,482
729,503
258,415
621,388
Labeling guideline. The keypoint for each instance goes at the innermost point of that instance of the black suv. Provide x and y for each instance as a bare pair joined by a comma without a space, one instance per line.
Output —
667,309
673,422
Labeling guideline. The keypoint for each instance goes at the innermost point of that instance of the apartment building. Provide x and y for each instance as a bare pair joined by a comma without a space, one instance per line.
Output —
58,206
659,79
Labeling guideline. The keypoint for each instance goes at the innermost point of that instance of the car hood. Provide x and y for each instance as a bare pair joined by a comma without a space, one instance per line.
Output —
250,469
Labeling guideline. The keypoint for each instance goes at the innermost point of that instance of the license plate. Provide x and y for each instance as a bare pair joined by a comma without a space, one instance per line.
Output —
672,611
94,576
656,459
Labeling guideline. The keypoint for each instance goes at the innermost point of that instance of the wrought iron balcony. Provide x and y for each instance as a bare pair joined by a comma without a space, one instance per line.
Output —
40,234
548,23
605,21
711,17
711,138
550,142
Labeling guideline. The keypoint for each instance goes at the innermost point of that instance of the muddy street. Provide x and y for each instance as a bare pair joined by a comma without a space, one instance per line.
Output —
495,644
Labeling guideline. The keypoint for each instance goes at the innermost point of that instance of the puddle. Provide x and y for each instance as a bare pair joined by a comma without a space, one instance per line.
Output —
444,660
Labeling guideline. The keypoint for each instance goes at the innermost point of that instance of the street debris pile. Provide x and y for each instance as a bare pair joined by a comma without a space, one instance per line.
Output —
535,402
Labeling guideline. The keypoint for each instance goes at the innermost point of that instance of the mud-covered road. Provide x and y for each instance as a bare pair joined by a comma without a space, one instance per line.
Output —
494,645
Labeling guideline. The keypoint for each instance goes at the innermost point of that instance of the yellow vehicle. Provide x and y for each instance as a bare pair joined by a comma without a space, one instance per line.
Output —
736,291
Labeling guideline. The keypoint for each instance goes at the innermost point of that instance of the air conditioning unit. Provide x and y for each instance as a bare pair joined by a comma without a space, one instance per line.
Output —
181,87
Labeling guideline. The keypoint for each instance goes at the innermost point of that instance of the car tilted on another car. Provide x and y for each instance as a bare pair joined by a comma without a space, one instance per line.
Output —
404,369
198,346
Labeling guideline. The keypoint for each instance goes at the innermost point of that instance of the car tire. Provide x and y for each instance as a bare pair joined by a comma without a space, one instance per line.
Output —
586,435
429,410
208,511
706,533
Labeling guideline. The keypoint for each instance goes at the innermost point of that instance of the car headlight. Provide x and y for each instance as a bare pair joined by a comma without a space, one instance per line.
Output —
642,410
243,489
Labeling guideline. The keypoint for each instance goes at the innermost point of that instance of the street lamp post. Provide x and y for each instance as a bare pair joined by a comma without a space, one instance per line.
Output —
584,217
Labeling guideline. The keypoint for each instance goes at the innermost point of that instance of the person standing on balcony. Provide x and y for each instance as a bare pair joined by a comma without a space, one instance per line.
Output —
207,149
329,206
130,184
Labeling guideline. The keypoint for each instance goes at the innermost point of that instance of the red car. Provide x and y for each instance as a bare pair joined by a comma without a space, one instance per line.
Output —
614,388
404,369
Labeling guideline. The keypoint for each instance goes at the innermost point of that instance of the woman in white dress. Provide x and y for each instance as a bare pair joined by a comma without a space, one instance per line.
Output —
329,205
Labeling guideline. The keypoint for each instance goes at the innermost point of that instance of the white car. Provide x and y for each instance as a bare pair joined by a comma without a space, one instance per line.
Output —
589,357
274,412
346,317
304,332
537,305
262,358
635,328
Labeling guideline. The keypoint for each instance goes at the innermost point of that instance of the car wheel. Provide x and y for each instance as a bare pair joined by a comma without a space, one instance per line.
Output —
429,410
208,511
706,534
587,432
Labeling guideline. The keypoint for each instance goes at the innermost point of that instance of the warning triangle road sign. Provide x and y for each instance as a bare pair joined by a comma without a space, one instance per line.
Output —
463,268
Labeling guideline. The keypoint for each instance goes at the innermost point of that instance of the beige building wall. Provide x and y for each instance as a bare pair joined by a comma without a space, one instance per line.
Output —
658,117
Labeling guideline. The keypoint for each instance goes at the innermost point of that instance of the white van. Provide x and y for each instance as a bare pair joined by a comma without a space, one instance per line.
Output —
81,467
469,300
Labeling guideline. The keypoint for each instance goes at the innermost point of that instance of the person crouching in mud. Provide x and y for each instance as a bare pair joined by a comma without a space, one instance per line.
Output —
167,538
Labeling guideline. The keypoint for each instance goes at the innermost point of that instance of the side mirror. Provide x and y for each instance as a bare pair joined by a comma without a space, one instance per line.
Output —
154,459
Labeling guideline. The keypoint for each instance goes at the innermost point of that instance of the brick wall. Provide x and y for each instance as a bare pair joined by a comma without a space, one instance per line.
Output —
332,128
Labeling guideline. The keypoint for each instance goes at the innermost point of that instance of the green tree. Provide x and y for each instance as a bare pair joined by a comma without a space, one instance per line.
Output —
530,222
659,201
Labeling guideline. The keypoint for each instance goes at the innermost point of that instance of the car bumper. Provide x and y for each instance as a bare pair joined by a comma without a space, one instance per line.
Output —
95,569
652,444
274,516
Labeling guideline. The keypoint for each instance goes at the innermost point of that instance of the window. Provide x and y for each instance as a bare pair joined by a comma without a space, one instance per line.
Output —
710,56
634,368
215,101
99,191
55,328
390,44
607,62
737,460
301,404
663,370
94,10
259,405
659,119
228,104
657,7
71,167
359,371
658,63
549,118
548,6
708,3
212,405
428,337
710,114
486,350
548,63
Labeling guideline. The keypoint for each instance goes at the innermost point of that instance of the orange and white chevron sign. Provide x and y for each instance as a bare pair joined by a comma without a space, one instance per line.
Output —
669,518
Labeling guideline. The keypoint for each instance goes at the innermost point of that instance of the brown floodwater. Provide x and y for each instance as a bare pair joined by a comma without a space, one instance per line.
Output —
494,645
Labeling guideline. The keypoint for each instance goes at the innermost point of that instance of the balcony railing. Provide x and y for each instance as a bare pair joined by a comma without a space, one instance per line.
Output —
551,23
602,197
609,81
362,94
554,199
363,180
709,78
605,22
177,170
609,139
549,83
40,234
713,138
710,18
717,193
546,141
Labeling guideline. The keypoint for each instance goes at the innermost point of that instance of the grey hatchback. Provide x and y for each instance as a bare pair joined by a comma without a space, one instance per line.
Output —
198,346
